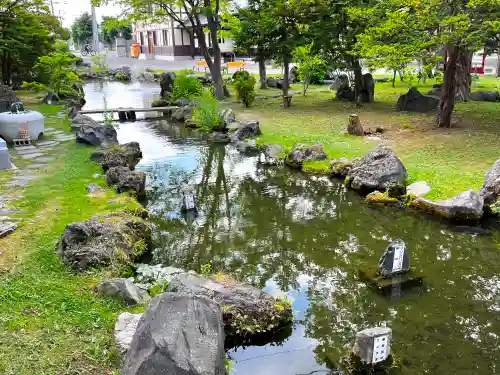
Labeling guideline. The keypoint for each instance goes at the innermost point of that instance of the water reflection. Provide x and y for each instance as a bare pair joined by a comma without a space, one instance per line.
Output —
308,237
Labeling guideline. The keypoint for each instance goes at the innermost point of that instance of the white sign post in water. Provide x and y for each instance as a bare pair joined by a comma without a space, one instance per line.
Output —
373,345
188,202
397,264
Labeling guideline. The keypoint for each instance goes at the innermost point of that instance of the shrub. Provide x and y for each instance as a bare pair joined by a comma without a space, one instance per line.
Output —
122,77
99,64
186,87
312,67
244,84
206,114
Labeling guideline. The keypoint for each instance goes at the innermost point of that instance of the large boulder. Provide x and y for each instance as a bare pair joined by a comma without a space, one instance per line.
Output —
380,170
302,153
485,96
414,101
246,310
124,290
272,154
183,113
167,84
245,129
125,328
96,134
7,98
465,206
78,120
178,334
104,240
491,187
125,180
228,117
368,92
127,155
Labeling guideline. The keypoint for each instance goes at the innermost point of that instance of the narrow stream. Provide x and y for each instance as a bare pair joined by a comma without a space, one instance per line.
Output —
307,238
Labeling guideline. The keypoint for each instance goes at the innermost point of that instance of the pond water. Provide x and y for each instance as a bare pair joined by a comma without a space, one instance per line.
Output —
307,238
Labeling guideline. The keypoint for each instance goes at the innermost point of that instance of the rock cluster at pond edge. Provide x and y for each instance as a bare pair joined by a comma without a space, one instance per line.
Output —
103,240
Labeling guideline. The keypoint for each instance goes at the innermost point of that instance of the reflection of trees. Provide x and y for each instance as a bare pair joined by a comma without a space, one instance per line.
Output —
273,224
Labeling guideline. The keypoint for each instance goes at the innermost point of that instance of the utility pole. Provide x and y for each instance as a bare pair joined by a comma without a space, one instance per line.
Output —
52,7
95,32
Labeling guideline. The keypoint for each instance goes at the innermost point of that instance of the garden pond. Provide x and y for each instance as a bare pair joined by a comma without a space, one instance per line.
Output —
307,238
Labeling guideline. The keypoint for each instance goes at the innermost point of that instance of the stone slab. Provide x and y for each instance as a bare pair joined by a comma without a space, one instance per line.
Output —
23,178
65,137
44,159
7,228
53,132
17,183
49,130
37,166
47,143
33,155
392,287
25,150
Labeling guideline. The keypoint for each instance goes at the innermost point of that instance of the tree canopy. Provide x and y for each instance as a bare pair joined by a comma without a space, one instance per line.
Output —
82,28
112,28
27,31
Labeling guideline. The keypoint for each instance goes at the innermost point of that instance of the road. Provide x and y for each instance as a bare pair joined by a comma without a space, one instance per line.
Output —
115,62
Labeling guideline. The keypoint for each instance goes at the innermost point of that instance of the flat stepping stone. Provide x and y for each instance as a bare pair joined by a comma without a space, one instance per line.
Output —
46,148
9,211
32,156
54,132
23,178
7,228
17,183
25,149
37,166
44,159
49,130
47,143
65,137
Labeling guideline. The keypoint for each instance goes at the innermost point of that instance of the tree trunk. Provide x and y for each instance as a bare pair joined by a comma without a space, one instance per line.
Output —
447,100
262,71
286,77
462,75
394,79
358,82
498,63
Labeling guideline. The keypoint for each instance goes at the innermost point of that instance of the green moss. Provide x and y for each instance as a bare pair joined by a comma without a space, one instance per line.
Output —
381,198
316,166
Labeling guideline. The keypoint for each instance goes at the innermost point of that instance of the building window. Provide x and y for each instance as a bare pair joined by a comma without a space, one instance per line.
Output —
155,39
141,34
165,37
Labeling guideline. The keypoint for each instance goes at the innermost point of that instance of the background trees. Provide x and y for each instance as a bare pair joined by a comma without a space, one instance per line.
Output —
27,31
81,29
416,28
112,28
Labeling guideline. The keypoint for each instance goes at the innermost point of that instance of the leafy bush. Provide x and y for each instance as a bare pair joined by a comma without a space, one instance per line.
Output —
122,77
186,87
55,72
99,64
207,112
312,67
244,84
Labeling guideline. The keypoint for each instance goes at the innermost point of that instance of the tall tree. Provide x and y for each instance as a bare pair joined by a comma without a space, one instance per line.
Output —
82,29
334,33
27,31
461,26
112,28
275,27
195,17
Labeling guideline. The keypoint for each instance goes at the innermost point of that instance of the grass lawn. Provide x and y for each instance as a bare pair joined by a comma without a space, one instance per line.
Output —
450,160
50,320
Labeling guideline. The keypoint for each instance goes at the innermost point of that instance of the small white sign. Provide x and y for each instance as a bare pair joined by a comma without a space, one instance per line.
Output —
189,202
397,264
380,348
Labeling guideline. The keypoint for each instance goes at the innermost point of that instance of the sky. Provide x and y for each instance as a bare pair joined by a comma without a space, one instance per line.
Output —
71,9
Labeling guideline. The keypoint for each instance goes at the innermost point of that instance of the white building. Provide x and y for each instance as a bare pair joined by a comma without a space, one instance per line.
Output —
171,41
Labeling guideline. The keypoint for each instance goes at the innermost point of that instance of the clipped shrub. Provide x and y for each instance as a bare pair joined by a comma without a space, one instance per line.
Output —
160,103
244,84
206,114
186,87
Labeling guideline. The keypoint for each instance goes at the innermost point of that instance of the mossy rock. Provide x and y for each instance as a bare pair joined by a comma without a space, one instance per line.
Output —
160,103
385,285
112,240
377,197
190,123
